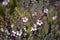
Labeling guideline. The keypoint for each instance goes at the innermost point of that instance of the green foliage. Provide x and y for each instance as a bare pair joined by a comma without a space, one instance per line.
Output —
2,11
12,6
58,14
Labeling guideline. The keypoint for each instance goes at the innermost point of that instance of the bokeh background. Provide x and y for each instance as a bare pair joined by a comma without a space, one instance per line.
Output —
15,10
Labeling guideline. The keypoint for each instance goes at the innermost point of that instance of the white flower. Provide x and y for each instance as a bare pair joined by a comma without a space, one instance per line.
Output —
2,29
46,10
12,25
13,32
24,19
34,25
19,33
54,17
25,29
39,22
34,28
5,3
34,14
6,30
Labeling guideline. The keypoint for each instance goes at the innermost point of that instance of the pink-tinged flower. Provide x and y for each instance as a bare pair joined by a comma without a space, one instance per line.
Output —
5,3
8,33
39,22
8,1
6,30
24,19
54,17
34,25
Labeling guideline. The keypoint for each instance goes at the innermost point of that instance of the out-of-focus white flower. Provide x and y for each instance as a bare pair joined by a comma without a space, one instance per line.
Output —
13,32
39,22
8,1
25,29
8,33
24,19
2,29
46,10
6,30
34,28
34,14
5,3
19,33
54,17
12,25
34,25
